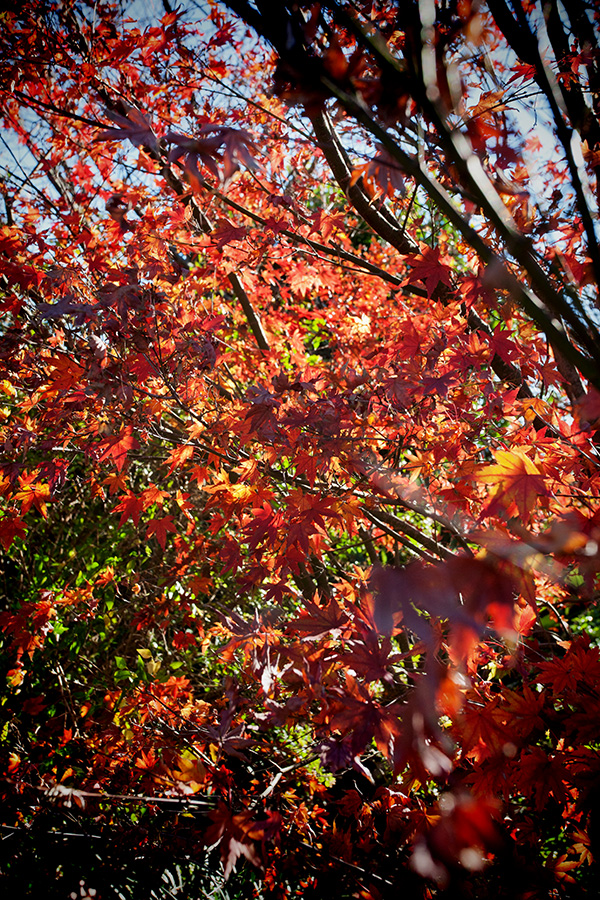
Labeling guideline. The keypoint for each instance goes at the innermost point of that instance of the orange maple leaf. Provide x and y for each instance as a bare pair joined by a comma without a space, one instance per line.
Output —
518,481
33,493
179,455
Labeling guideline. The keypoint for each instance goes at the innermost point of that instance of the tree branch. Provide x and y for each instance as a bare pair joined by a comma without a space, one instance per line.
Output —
253,320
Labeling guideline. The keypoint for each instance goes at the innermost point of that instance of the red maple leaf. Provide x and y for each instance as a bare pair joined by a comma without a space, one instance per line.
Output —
11,526
318,620
430,268
225,233
130,506
133,127
116,448
237,835
160,528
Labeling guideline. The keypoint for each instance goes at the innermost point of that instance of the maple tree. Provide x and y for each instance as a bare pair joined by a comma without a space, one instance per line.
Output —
300,480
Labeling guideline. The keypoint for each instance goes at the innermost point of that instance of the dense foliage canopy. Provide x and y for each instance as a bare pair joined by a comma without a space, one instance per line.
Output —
300,476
